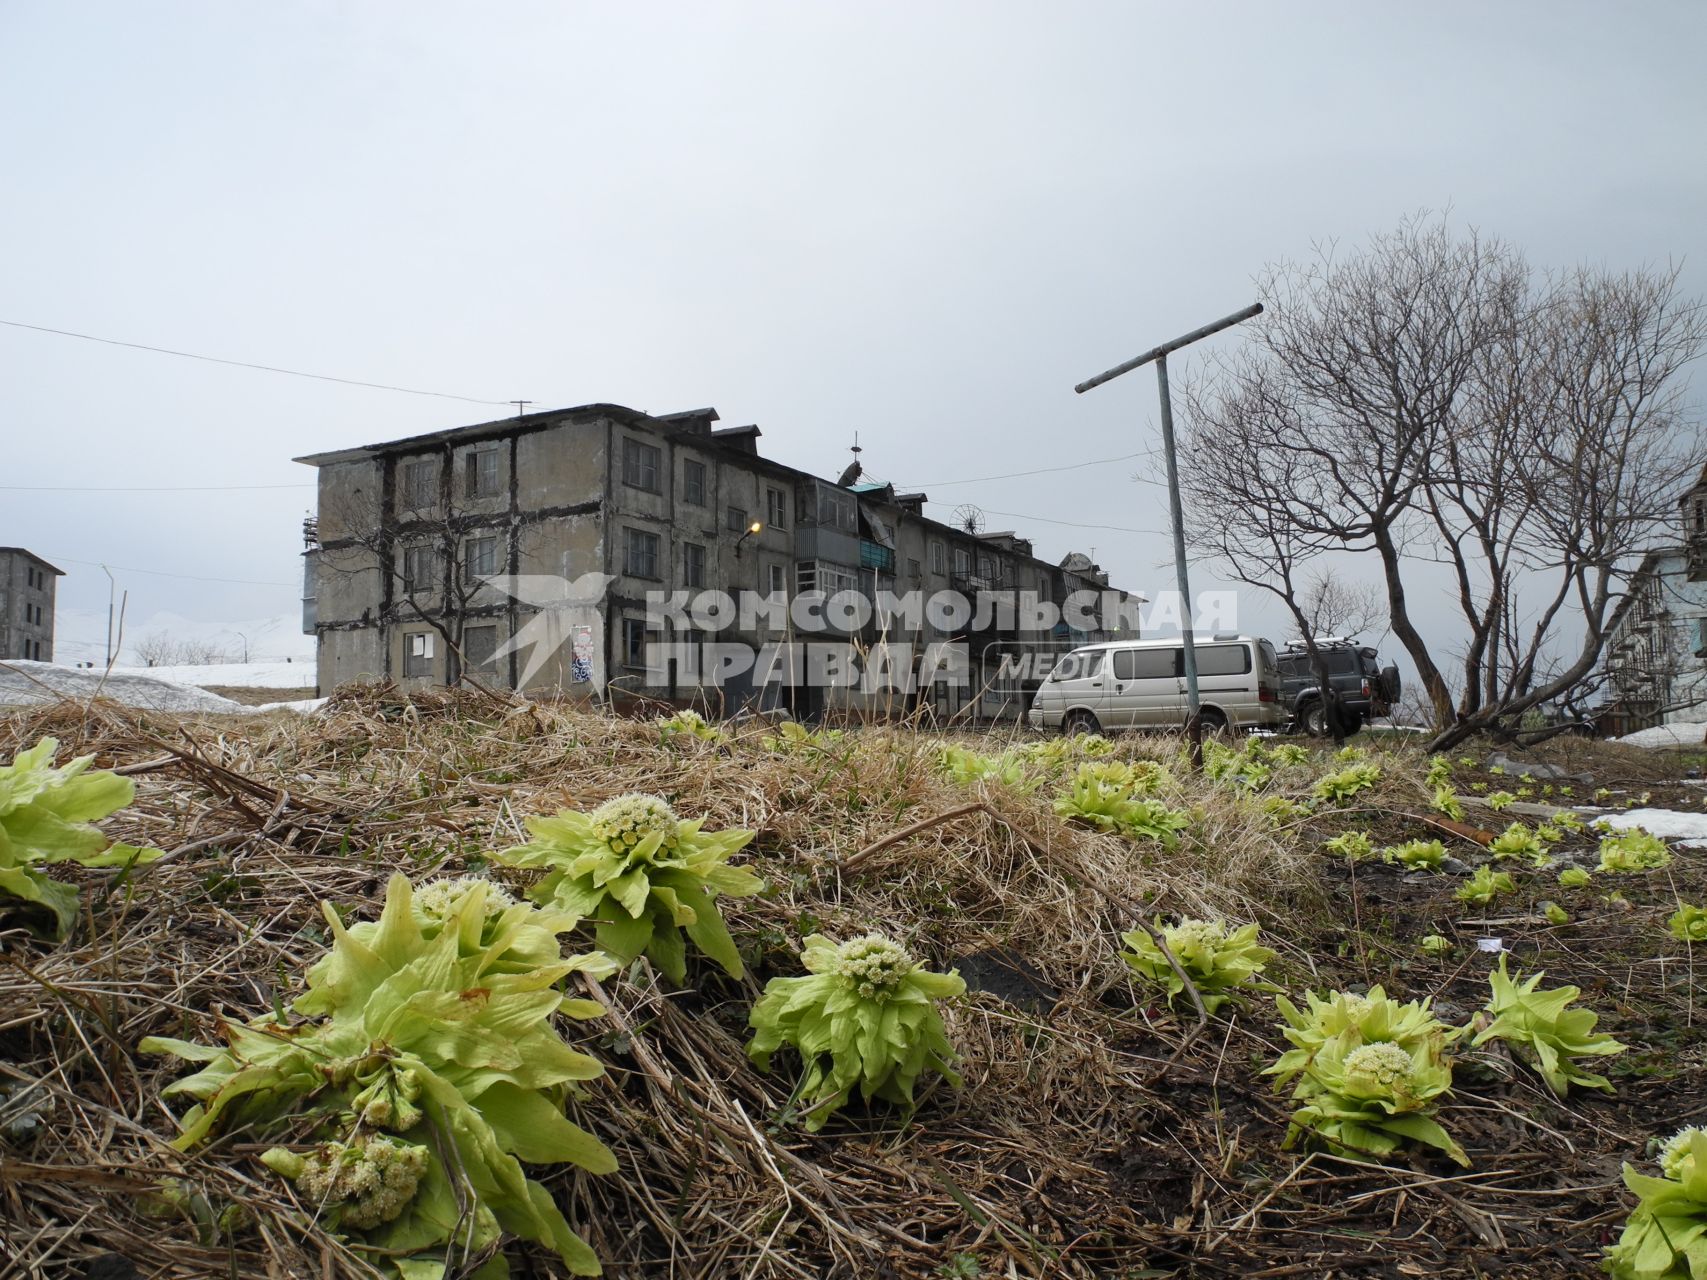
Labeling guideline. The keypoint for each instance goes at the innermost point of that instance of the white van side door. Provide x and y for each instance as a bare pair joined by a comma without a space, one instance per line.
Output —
1145,686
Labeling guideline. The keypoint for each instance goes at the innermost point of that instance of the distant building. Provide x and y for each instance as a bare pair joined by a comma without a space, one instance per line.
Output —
26,605
408,534
1656,652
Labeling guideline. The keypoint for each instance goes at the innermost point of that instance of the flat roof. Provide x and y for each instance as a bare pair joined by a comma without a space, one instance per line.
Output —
483,430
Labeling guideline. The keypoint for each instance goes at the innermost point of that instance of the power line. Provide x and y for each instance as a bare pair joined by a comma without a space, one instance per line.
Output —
244,364
161,573
146,488
1041,471
1071,524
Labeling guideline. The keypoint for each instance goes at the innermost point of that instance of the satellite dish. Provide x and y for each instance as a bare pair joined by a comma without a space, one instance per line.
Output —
969,518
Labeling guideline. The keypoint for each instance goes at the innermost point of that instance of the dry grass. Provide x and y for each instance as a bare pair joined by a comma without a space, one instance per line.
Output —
1098,1134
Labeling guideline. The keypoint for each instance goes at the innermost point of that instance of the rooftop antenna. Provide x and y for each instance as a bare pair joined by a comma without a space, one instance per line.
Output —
521,407
854,469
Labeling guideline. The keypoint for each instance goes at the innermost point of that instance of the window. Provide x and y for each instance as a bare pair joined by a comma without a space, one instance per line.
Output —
693,565
777,580
837,510
986,566
479,558
478,646
639,553
1147,664
693,481
815,575
962,562
418,653
939,557
480,472
737,519
634,642
419,570
418,485
1223,660
777,506
640,465
913,568
1080,665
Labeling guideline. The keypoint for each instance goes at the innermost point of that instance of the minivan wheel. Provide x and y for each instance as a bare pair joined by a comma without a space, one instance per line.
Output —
1081,722
1212,721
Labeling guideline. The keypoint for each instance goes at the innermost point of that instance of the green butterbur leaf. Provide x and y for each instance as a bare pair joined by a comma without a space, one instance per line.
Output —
1369,1070
1547,1034
45,817
426,1038
1217,961
642,876
863,1018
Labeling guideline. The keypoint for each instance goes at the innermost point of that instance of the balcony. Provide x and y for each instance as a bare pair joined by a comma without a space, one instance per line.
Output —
874,555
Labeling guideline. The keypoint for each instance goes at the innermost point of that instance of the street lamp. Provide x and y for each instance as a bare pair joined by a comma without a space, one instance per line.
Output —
756,527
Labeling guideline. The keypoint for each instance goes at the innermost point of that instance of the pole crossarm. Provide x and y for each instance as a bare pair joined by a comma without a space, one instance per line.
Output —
1156,353
1188,646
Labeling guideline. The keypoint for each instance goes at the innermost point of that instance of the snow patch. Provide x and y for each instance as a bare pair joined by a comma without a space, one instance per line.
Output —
233,675
1666,735
34,684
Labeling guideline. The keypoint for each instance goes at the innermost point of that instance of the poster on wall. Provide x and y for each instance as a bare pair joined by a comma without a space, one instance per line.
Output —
581,665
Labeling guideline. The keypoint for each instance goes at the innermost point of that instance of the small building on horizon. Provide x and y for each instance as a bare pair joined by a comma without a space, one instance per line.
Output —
27,588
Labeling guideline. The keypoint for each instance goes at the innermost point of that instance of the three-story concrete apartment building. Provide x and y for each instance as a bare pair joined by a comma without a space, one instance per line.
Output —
27,586
533,552
1656,648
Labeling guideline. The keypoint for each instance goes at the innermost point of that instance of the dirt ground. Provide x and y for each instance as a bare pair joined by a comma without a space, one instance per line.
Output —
1099,1133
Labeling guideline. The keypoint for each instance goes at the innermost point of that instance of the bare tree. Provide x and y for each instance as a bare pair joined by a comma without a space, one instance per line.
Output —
162,649
1433,398
430,550
1333,605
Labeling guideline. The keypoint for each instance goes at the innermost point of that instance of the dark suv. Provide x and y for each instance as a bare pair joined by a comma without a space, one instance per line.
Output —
1366,689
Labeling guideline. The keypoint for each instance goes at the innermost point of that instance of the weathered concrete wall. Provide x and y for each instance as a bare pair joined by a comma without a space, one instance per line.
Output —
20,634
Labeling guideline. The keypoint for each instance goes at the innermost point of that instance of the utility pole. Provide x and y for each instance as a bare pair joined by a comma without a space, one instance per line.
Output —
112,591
521,407
1194,720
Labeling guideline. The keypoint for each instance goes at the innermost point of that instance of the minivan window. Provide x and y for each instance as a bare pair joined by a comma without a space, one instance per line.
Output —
1146,664
1223,660
1078,665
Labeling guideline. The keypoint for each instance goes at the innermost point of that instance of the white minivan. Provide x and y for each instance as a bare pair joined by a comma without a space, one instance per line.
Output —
1140,684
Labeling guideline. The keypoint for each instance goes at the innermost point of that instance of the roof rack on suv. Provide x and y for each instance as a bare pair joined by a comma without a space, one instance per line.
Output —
1326,642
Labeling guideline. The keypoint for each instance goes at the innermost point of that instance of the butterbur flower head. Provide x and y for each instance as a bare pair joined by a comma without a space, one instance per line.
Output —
1676,1159
1381,1070
625,823
371,1178
872,965
441,898
1356,1007
1195,937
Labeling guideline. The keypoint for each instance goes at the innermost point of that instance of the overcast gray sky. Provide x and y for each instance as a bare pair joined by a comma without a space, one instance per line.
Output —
923,223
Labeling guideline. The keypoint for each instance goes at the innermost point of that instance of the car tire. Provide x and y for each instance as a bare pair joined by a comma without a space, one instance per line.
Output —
1080,722
1353,722
1213,721
1313,719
